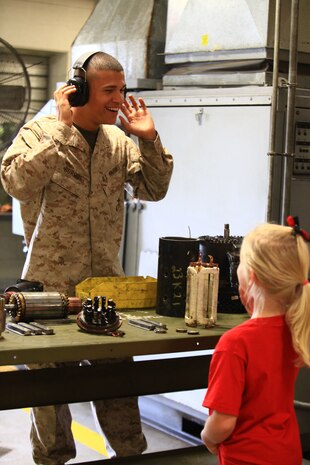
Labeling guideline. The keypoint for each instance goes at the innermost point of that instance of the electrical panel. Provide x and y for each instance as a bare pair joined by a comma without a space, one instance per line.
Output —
302,149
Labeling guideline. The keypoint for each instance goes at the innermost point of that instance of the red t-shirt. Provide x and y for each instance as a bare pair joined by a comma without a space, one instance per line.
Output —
252,376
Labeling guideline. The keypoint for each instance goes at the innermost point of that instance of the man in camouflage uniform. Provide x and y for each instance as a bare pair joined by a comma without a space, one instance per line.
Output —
69,174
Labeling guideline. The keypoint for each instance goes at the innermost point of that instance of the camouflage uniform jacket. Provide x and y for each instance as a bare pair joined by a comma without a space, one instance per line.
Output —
72,200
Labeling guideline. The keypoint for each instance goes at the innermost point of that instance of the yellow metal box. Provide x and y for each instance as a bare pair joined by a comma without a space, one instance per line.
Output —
127,292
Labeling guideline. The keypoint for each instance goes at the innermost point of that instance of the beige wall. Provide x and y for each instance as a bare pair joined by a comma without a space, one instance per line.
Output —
45,26
49,25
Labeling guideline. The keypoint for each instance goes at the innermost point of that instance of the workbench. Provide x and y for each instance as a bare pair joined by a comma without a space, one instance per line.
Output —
70,384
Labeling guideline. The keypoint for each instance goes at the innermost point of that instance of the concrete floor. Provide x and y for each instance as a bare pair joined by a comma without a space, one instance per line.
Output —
15,445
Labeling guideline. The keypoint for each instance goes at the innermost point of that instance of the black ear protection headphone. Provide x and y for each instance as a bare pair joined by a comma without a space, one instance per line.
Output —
80,97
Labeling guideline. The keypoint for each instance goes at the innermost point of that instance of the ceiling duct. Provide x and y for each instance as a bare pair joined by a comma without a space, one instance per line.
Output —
133,34
220,42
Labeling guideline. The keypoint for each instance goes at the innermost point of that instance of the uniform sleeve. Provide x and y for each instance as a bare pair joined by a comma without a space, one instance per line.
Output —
226,383
150,175
31,160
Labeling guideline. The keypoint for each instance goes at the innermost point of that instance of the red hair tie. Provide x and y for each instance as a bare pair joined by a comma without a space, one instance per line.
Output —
293,222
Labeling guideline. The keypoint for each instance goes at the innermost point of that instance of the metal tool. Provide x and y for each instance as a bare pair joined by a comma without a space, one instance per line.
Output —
154,323
141,324
148,325
29,329
15,328
160,330
35,331
45,329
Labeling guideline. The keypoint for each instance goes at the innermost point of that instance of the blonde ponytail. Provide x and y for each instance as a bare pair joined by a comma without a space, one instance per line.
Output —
298,313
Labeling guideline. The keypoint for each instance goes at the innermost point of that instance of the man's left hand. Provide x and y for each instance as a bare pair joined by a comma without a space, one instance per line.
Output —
137,119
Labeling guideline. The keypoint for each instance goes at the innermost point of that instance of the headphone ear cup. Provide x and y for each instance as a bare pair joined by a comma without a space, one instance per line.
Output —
80,97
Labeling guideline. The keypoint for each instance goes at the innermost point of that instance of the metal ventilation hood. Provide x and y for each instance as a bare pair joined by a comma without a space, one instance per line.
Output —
132,33
220,42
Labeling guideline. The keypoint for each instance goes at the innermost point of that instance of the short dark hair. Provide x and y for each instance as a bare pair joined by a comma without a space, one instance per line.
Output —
102,61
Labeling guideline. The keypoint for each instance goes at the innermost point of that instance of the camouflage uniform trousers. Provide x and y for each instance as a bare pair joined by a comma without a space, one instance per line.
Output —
119,420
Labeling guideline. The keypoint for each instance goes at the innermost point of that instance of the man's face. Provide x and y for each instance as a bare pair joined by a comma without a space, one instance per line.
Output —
106,94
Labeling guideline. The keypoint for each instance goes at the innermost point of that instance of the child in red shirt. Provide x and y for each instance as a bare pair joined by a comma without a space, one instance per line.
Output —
254,367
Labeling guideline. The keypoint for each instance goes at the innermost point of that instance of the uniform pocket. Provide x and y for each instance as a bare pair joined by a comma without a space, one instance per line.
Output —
71,182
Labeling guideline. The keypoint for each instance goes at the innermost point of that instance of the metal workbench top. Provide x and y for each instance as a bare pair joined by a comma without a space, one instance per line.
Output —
69,343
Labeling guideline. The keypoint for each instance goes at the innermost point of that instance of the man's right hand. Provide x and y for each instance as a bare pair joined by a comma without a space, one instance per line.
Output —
63,106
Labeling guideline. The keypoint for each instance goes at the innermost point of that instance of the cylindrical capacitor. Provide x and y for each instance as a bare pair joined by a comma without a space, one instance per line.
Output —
175,255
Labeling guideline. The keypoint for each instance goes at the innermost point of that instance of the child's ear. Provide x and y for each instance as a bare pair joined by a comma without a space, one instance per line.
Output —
253,278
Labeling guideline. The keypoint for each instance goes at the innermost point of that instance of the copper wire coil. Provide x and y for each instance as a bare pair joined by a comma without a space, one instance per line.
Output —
74,305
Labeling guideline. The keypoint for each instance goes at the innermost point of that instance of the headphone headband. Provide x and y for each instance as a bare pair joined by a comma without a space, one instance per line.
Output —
83,59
